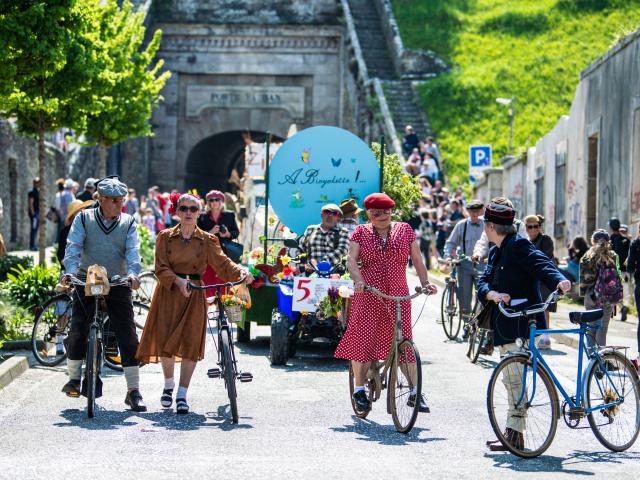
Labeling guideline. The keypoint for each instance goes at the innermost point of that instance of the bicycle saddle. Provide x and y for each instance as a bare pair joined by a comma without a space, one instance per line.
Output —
587,316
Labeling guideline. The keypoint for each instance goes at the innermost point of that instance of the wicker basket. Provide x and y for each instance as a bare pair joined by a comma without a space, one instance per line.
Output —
234,313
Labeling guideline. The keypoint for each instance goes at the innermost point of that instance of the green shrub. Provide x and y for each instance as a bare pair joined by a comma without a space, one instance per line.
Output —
14,321
147,246
30,287
10,261
516,23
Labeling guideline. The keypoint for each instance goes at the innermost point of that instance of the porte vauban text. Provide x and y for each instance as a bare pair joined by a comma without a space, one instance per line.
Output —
233,98
312,176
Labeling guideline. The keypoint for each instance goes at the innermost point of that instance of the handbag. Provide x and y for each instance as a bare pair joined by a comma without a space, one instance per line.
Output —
233,250
483,319
52,215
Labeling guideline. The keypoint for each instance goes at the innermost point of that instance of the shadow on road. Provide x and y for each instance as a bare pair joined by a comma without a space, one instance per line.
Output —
370,431
161,420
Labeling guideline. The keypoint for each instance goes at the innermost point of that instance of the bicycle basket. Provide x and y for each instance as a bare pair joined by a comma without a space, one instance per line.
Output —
234,313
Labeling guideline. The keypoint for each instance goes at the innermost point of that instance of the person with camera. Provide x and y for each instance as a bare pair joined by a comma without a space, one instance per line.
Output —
216,221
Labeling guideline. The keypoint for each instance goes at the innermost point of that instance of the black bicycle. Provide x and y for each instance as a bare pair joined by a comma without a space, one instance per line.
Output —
227,364
52,323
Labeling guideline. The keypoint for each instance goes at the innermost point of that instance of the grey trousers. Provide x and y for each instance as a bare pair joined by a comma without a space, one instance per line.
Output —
467,276
599,337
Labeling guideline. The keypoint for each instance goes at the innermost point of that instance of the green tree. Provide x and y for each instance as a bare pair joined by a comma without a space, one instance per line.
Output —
402,187
46,46
127,84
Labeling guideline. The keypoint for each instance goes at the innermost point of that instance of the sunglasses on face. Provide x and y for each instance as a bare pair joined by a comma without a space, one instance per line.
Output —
192,209
333,214
379,213
531,227
211,200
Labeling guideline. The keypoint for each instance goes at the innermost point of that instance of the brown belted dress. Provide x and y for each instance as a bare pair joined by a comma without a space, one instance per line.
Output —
176,325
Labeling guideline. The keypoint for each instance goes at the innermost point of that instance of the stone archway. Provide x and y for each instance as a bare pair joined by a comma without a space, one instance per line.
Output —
212,160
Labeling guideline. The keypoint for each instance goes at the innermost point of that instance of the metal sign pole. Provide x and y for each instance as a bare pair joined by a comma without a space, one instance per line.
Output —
266,199
382,146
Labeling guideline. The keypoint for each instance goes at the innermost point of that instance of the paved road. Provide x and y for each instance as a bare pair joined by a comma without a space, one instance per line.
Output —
296,422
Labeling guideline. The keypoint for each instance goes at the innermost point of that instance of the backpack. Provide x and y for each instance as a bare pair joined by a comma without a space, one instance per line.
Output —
608,287
620,245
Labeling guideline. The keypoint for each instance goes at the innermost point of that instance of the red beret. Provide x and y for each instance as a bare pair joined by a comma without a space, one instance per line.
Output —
379,200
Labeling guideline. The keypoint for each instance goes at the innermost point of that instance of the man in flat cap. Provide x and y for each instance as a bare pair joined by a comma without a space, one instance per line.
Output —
326,242
462,241
104,236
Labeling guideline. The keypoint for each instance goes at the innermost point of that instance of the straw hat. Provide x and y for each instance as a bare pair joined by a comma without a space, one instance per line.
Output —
74,207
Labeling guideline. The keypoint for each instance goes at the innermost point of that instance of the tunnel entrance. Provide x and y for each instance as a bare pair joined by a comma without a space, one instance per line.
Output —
211,162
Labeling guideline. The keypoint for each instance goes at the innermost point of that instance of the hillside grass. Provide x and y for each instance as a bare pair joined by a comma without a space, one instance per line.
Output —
532,49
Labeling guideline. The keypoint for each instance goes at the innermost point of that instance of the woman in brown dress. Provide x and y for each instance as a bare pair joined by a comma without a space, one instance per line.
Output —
176,325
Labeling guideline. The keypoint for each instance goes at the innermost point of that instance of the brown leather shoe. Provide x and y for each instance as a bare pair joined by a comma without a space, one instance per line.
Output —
134,400
513,438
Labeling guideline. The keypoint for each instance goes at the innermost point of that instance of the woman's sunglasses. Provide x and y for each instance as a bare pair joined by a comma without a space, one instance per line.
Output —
531,227
214,200
192,209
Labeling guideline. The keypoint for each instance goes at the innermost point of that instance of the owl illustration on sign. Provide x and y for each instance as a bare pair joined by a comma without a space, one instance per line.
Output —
296,199
306,154
336,162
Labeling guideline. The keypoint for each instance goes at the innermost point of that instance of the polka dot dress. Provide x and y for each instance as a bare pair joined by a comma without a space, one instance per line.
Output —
371,323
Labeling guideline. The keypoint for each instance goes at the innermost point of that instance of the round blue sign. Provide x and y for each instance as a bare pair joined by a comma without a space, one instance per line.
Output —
317,166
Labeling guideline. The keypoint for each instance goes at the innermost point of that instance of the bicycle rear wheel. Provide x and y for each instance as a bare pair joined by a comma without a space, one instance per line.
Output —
476,339
615,427
92,370
405,379
451,321
148,282
49,329
352,386
112,353
229,372
511,408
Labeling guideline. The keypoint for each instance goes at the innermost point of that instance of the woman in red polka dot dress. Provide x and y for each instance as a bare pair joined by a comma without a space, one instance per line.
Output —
378,255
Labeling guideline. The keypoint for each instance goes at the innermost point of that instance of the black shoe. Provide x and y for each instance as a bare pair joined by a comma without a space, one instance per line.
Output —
182,407
424,408
465,334
624,310
134,400
167,397
72,388
361,401
83,390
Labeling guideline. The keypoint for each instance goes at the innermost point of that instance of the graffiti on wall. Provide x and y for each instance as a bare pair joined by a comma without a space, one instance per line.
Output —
575,212
608,202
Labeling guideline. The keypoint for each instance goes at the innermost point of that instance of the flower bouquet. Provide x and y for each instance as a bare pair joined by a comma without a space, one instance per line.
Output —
234,306
331,304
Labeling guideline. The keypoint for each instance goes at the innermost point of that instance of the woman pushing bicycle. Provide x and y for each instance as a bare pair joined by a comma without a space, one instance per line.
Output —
378,257
176,327
513,275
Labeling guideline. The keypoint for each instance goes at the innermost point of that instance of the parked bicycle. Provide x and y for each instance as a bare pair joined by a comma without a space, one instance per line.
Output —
400,373
522,389
450,313
478,337
51,327
227,364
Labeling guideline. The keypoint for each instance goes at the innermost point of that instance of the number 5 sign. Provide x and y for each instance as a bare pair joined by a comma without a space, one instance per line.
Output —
307,292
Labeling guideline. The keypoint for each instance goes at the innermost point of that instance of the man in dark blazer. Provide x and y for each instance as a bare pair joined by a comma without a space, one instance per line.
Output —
513,274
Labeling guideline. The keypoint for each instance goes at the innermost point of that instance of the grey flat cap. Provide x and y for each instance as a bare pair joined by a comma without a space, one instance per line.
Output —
90,183
111,187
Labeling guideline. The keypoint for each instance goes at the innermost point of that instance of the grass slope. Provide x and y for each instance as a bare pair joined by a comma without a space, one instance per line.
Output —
533,49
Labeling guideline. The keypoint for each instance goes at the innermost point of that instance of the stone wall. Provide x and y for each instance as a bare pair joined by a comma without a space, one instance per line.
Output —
19,162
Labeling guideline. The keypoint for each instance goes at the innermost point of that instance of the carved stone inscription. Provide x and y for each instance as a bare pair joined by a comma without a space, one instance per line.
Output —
200,97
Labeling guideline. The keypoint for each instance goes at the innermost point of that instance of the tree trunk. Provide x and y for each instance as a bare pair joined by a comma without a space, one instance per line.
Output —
42,231
103,160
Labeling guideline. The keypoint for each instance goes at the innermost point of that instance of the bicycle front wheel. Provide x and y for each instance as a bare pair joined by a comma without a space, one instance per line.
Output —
451,321
229,372
617,426
49,330
92,370
405,387
524,425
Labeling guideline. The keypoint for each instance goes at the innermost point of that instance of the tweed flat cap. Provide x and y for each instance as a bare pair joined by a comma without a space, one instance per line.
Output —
331,207
111,187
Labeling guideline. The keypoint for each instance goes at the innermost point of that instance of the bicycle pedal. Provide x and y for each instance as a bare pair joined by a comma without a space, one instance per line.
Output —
245,377
214,373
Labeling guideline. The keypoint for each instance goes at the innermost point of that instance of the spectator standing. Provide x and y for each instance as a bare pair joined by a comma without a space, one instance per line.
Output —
429,168
577,249
149,221
33,198
350,215
425,234
620,244
89,190
432,149
131,205
633,268
456,213
410,141
413,165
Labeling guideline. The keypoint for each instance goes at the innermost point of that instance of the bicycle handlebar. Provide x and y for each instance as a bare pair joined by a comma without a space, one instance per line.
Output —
191,286
375,291
553,296
119,283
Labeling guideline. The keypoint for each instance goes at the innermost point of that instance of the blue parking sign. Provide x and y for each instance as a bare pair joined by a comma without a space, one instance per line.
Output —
479,156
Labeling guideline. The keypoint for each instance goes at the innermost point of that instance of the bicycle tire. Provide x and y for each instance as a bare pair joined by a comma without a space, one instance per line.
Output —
229,373
140,313
92,370
148,281
476,339
614,414
451,322
543,380
50,330
443,304
398,392
352,386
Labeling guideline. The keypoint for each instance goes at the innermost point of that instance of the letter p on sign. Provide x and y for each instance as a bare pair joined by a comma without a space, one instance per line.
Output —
479,157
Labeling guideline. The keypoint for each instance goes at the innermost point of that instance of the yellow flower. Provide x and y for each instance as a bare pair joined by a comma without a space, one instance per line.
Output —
285,259
272,220
405,178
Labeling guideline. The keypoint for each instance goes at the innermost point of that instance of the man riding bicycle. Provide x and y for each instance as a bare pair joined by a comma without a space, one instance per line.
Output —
326,242
107,237
462,240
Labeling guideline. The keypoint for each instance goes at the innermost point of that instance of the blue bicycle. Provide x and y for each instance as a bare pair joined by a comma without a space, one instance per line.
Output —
522,400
